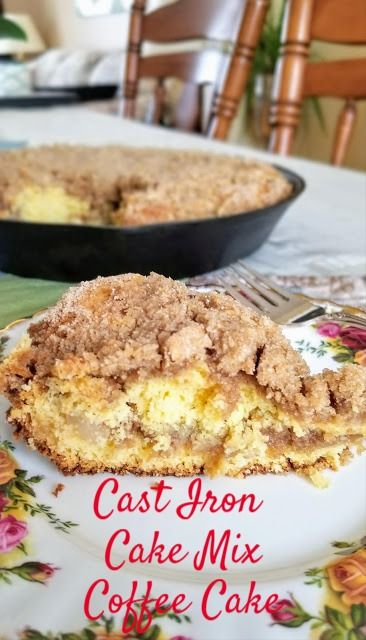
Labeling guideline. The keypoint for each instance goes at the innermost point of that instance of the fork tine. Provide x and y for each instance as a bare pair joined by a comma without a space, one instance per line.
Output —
244,300
243,270
258,299
273,298
247,293
237,295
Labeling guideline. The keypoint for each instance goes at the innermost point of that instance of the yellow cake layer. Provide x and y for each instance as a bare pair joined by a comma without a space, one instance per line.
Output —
183,423
50,204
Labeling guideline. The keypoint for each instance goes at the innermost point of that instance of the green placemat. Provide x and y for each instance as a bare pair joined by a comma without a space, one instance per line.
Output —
21,297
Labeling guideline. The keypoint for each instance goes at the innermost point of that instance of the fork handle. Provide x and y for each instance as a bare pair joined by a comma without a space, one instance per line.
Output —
359,321
337,316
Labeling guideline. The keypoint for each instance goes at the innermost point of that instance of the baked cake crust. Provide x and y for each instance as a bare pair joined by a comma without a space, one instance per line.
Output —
142,336
128,186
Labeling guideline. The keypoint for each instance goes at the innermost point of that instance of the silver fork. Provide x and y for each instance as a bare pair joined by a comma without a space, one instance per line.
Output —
258,292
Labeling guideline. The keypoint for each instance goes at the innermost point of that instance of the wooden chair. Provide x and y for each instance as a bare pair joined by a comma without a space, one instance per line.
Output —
236,21
336,21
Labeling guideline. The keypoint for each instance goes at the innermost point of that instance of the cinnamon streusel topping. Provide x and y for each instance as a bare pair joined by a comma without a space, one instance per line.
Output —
135,326
128,186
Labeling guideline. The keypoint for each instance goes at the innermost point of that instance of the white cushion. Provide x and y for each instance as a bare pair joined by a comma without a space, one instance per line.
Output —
63,68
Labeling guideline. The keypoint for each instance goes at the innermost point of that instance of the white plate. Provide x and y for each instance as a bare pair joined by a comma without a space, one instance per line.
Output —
296,528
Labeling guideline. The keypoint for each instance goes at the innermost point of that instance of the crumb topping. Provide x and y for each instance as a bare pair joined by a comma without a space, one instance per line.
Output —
129,186
135,326
59,487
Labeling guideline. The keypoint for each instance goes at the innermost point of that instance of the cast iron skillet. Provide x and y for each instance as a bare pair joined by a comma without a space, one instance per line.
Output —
178,249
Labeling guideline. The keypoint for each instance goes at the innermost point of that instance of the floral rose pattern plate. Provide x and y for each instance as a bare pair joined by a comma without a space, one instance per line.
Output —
313,542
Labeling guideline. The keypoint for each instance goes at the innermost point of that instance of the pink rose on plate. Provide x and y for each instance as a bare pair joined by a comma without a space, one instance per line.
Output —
353,337
329,329
285,611
289,613
12,532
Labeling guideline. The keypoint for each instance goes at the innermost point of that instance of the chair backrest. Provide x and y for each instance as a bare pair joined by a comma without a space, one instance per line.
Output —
336,21
235,22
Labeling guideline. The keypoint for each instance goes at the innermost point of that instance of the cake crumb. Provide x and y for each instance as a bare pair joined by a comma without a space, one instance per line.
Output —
319,481
57,489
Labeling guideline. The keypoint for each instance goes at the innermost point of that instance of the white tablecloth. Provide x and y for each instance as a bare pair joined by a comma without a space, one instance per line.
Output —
323,233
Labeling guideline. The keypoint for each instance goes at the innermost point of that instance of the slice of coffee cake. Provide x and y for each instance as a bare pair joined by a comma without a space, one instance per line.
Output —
139,374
